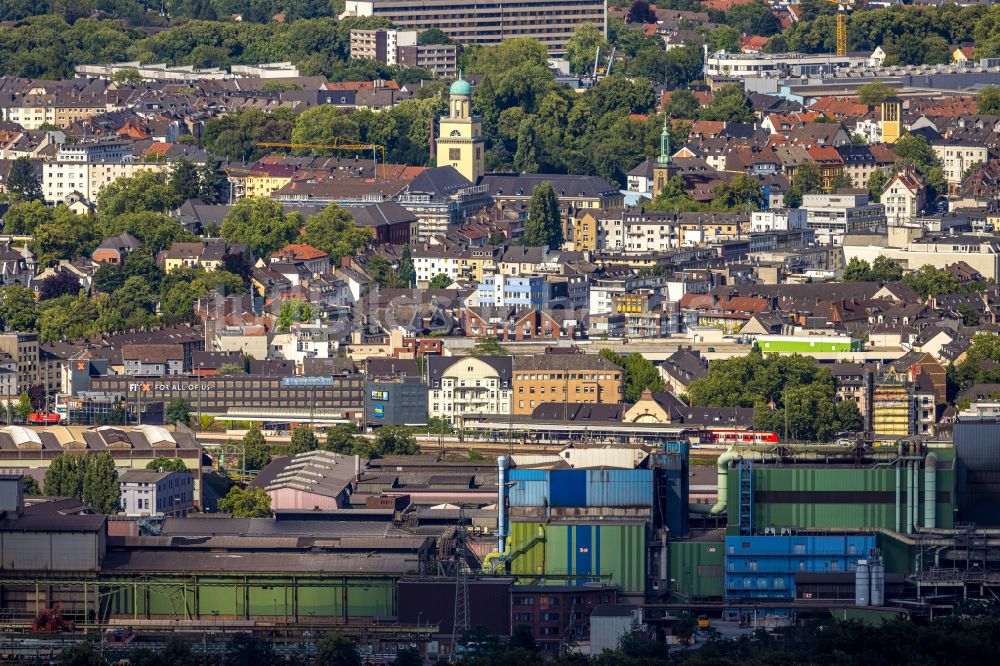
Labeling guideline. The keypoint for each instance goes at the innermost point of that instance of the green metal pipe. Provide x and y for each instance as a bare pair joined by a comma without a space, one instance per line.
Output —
930,491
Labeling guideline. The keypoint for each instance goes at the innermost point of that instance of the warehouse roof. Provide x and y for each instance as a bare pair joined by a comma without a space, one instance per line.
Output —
259,562
62,515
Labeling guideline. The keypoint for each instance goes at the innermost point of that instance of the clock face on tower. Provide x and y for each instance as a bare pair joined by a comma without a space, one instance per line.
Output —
456,133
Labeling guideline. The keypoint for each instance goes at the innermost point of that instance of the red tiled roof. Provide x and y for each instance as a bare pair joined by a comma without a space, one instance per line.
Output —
299,251
828,154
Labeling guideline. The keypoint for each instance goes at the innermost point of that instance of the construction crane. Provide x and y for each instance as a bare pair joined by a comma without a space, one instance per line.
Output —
331,146
843,8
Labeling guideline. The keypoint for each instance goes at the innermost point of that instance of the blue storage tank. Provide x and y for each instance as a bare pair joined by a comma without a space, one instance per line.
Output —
529,487
619,487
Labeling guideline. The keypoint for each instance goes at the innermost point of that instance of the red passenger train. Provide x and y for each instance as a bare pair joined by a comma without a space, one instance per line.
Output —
720,436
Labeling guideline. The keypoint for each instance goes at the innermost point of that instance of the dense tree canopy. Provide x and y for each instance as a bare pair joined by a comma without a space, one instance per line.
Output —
791,395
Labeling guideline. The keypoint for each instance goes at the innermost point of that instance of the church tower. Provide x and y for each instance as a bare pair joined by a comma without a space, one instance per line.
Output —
892,120
664,169
460,141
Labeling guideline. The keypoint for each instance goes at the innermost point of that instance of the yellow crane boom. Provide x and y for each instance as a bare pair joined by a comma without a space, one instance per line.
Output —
843,7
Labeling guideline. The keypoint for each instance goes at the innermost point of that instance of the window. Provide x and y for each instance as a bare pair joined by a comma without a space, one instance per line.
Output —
550,617
523,617
523,601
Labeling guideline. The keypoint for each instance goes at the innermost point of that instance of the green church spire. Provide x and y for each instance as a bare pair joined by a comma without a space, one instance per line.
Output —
664,158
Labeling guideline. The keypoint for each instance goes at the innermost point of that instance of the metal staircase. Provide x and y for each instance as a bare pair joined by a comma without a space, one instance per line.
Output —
746,497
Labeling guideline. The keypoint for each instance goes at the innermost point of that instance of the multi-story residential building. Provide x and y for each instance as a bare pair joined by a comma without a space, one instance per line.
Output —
400,47
303,341
441,198
647,314
210,254
904,197
836,215
441,59
497,289
151,492
381,45
470,263
23,349
780,219
551,22
467,385
858,163
265,179
573,192
567,378
152,360
957,157
652,232
84,169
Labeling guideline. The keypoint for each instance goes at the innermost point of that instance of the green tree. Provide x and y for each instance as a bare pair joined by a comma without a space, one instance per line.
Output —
544,225
582,47
303,440
874,93
988,102
433,36
885,269
724,38
337,651
969,316
30,485
81,654
167,464
392,441
261,224
184,180
18,309
22,181
334,231
729,104
639,374
807,180
488,347
876,184
127,76
101,491
23,408
293,311
256,452
341,438
440,281
930,281
64,235
841,181
245,649
682,104
145,191
246,503
64,477
439,425
407,272
178,411
913,150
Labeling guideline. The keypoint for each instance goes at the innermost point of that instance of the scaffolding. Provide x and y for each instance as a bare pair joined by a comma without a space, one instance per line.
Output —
746,497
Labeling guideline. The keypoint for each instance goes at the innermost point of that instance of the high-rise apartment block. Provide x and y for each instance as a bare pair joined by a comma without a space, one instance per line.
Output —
551,22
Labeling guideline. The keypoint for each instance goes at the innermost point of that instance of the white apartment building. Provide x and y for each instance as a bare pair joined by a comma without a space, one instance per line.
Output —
303,341
87,168
646,234
778,219
468,385
834,216
381,45
904,198
957,157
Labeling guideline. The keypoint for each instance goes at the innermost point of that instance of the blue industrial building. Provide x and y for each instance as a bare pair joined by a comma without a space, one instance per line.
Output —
764,567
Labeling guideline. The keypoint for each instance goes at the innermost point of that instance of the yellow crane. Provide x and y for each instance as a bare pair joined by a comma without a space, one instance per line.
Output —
843,7
324,146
